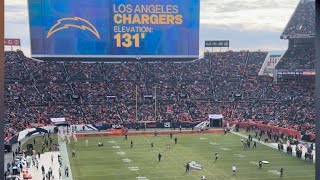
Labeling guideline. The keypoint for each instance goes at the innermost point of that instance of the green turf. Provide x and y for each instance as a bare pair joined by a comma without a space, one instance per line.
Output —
103,163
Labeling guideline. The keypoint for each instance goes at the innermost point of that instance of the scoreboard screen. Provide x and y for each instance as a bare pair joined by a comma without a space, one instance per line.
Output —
114,28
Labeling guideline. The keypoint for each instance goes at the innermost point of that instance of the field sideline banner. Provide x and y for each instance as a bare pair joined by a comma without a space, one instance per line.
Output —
297,72
113,28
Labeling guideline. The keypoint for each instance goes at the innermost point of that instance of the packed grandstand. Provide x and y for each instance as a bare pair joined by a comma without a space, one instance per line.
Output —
223,82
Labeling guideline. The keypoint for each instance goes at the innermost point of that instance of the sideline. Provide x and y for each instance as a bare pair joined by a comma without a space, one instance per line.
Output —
65,160
8,155
274,145
254,139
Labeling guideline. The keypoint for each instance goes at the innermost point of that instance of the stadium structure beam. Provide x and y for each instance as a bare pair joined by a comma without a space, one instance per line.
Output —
136,103
317,85
155,103
2,87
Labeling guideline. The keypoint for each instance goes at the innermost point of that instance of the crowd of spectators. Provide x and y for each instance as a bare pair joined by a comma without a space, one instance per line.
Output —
93,92
15,69
54,71
302,21
255,61
298,58
107,113
226,83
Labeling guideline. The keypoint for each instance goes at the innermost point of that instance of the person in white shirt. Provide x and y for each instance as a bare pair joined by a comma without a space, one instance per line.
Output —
87,141
234,169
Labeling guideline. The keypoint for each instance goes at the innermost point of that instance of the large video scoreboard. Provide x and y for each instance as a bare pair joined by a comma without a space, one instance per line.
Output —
114,29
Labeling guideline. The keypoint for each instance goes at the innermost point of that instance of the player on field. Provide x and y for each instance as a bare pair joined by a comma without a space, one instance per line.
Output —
170,135
87,142
260,164
73,152
254,144
234,169
159,157
152,144
245,145
187,167
175,140
281,172
131,144
216,156
126,137
203,178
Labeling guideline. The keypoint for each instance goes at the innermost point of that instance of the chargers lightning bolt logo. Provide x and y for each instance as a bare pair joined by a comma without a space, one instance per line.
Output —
75,22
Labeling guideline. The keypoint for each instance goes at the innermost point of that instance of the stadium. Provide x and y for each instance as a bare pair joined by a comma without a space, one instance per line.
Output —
110,103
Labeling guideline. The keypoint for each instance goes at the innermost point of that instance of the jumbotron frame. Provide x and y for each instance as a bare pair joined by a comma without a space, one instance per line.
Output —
114,58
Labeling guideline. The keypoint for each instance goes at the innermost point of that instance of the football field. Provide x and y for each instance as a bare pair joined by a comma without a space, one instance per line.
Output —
117,161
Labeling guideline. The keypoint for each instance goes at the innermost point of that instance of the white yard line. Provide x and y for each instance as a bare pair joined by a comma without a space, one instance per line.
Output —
204,170
124,156
164,152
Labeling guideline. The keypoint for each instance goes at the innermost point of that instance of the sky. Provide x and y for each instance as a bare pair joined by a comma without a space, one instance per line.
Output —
248,24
